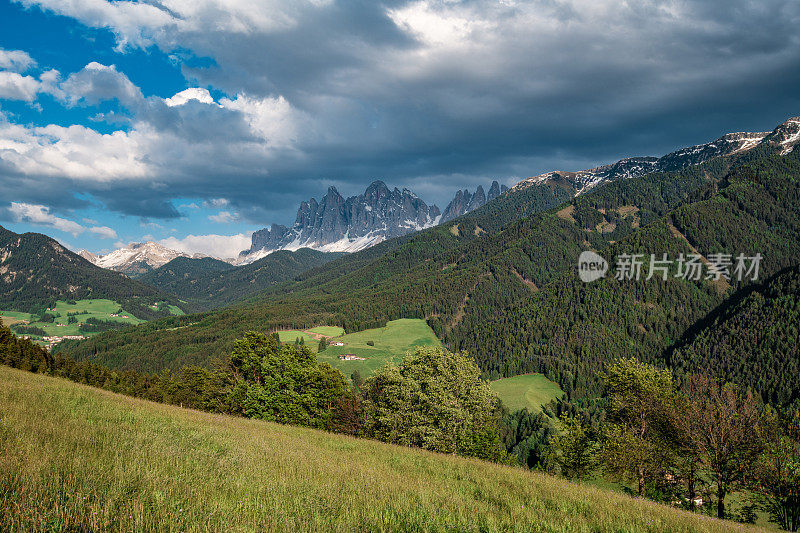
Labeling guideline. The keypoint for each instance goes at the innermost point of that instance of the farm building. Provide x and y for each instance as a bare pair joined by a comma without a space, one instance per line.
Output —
350,357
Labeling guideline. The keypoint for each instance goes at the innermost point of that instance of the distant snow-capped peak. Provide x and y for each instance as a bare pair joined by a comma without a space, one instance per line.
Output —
137,258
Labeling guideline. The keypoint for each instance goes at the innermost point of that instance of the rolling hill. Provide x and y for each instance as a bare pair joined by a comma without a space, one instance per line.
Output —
210,283
36,271
127,464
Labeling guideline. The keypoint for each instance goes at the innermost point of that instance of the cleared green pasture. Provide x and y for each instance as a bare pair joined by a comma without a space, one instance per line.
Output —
15,317
100,309
529,391
328,331
392,342
290,335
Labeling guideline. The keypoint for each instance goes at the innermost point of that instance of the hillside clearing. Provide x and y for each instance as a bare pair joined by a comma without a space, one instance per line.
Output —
310,336
391,343
77,458
530,391
81,310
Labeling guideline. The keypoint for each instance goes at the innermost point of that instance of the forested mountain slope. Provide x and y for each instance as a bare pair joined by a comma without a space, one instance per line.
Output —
36,270
753,339
570,329
209,283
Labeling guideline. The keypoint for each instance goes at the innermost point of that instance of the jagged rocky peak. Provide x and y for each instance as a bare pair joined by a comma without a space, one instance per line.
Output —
783,138
338,224
464,201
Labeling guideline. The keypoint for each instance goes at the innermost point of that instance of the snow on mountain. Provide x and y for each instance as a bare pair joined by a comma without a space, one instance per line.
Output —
336,224
136,258
786,135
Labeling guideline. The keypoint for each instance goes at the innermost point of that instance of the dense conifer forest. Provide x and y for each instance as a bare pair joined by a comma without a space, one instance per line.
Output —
209,283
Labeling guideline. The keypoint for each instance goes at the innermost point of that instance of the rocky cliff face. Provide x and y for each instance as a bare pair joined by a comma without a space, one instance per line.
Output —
336,224
464,201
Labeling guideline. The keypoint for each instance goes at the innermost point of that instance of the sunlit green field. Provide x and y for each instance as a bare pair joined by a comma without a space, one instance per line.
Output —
328,331
529,391
10,318
310,336
73,458
391,344
95,308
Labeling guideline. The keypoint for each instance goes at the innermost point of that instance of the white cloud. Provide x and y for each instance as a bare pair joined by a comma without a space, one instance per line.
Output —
224,217
14,86
221,246
16,60
132,22
104,232
216,202
75,152
142,24
272,119
194,93
97,83
41,216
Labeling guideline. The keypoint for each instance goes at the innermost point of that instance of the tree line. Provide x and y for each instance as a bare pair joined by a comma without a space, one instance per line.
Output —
686,445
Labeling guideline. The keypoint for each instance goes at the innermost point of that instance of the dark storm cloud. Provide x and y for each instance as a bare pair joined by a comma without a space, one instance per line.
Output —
441,95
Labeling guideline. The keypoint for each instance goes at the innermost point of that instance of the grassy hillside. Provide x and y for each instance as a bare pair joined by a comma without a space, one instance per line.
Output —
529,391
391,343
77,458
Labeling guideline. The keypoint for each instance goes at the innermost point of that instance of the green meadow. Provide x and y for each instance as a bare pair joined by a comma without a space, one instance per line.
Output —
10,318
74,458
100,309
391,343
310,336
530,391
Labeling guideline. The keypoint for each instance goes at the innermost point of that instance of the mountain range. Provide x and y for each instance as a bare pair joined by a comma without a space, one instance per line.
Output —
785,136
336,224
510,296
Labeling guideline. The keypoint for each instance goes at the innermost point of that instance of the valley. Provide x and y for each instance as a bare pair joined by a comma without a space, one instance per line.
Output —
81,318
472,337
416,266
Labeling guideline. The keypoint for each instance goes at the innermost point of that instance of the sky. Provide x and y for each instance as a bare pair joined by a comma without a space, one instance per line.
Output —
194,123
